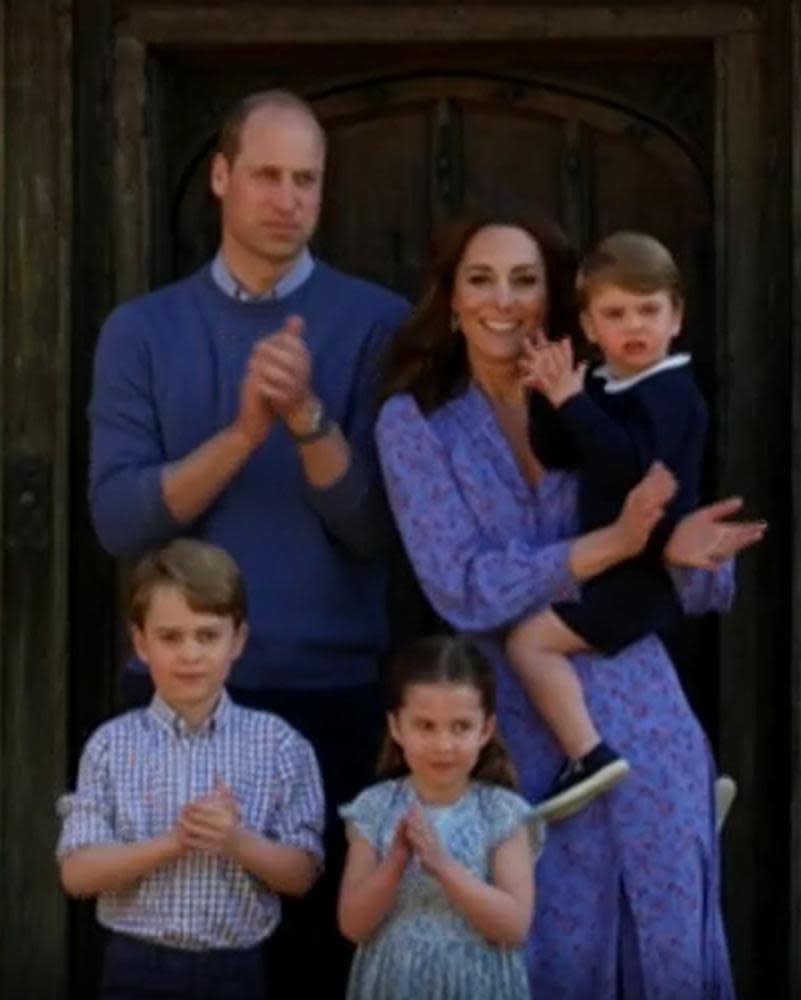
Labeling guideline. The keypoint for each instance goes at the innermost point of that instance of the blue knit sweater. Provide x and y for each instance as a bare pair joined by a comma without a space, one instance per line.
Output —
167,373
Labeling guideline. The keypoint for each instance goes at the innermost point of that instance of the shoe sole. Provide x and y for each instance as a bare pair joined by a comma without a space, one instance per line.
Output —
725,794
574,799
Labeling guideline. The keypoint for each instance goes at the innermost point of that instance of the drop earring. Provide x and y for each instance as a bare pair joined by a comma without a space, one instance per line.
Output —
455,322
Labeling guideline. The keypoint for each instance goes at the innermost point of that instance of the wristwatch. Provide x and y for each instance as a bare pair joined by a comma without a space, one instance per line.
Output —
317,426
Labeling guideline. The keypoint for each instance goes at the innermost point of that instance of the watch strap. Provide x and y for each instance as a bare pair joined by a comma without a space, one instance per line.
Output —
320,426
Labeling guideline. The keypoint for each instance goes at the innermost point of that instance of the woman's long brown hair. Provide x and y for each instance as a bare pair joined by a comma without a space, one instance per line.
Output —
427,358
449,659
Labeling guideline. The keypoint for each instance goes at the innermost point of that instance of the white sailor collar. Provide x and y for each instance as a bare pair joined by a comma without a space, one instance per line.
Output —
615,384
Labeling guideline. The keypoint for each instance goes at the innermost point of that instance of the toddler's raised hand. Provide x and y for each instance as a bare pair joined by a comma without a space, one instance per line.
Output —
548,367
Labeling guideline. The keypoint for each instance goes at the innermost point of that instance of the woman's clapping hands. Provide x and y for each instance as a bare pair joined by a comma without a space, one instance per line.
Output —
702,539
705,538
644,506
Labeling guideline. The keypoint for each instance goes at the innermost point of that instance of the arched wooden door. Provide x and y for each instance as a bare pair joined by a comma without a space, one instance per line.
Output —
409,151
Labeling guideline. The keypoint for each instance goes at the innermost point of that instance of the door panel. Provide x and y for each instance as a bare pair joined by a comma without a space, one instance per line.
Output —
513,159
377,207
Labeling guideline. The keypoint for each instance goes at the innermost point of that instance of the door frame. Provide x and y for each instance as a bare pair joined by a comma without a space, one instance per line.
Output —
749,708
35,302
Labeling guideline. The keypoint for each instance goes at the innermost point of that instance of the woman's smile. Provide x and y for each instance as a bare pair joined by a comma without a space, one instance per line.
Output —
499,295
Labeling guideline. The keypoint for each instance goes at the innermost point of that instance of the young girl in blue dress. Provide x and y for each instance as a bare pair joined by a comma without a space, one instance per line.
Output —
438,888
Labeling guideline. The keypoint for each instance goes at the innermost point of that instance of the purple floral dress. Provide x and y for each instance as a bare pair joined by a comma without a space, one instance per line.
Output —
628,892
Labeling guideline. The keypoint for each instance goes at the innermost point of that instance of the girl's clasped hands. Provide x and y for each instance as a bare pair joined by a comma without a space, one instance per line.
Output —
415,837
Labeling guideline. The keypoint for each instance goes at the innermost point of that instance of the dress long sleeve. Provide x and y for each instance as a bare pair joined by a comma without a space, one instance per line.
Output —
473,582
701,591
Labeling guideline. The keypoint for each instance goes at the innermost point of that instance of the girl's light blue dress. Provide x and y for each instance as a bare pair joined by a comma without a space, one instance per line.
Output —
425,949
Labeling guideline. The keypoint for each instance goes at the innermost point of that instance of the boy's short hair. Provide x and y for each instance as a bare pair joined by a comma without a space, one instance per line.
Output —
635,262
206,575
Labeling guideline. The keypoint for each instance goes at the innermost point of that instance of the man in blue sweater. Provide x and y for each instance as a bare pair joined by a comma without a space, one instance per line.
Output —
237,406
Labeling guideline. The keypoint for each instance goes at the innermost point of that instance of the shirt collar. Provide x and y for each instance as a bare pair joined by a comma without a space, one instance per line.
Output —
615,384
297,274
172,720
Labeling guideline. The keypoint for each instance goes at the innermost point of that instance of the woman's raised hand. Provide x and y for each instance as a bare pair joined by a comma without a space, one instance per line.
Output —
704,539
644,506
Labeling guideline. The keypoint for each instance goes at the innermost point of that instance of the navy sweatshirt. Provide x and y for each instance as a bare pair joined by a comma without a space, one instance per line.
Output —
612,432
168,368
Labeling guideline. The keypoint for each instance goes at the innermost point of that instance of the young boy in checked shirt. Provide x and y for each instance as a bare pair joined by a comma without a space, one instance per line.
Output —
191,815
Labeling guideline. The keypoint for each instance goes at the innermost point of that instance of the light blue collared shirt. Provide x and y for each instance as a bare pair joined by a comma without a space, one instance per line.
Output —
138,771
297,274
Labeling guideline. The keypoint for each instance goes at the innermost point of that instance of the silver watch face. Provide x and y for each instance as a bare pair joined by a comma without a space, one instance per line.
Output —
316,421
317,417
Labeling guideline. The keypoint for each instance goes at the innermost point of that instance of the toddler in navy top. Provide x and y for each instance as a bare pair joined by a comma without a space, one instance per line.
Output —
640,407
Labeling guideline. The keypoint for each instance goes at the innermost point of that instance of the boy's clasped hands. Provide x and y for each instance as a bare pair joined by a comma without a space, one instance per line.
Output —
209,823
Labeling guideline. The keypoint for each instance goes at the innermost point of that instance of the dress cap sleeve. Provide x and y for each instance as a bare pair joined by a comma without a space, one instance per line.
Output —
508,812
370,811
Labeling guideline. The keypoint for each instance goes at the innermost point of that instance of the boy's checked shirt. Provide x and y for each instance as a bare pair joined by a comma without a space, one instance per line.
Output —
137,772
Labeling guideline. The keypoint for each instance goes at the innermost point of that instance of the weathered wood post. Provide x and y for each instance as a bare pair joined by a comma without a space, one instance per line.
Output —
35,167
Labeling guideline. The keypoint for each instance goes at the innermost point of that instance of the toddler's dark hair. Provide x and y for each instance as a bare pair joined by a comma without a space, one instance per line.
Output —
635,262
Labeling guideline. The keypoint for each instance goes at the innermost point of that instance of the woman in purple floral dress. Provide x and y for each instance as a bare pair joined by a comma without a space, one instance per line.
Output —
628,894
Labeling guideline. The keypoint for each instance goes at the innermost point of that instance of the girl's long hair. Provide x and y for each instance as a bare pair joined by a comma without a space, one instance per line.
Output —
450,659
427,358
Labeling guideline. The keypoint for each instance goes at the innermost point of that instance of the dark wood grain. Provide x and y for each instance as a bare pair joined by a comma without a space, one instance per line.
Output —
35,392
